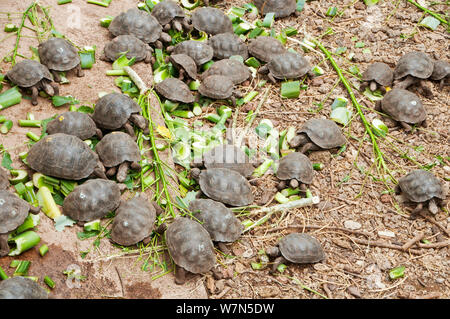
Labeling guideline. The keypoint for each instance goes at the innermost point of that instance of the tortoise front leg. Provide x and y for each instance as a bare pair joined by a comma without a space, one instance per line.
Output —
135,166
122,171
271,78
35,210
177,25
4,248
432,206
309,147
34,95
148,57
55,87
56,76
112,171
223,248
79,70
406,126
293,183
180,275
425,90
363,86
299,140
165,37
129,129
417,210
407,82
140,121
99,133
277,262
99,171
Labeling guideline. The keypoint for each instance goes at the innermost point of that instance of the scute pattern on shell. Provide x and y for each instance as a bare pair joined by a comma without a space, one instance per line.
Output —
175,90
190,245
228,44
264,48
415,63
403,105
226,186
134,221
323,132
4,178
420,186
301,248
379,72
216,87
441,70
228,156
289,65
165,11
295,165
186,62
138,23
27,73
237,71
58,54
217,219
200,52
211,20
78,124
21,288
116,148
62,156
92,200
134,47
281,8
13,211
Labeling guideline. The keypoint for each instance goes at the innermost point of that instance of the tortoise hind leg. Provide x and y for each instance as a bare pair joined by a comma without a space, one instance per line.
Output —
79,70
4,248
180,275
309,147
406,126
34,95
122,171
407,82
432,206
416,211
223,248
99,171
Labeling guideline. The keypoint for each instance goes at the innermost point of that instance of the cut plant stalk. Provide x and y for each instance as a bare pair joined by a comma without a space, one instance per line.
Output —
10,97
6,127
29,123
43,250
106,21
47,203
22,268
3,275
20,176
434,14
263,168
103,3
23,242
49,282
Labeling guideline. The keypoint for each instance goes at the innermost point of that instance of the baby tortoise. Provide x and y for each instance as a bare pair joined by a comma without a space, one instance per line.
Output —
140,24
404,107
423,188
115,111
228,44
175,90
64,156
377,76
19,287
295,168
4,178
13,211
287,65
118,152
30,74
264,48
441,73
318,134
59,55
237,71
298,248
78,124
219,87
200,52
170,15
224,185
211,20
128,43
190,247
187,69
92,200
281,8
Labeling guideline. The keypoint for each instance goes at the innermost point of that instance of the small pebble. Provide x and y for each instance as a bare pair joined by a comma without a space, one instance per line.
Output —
386,233
354,291
350,224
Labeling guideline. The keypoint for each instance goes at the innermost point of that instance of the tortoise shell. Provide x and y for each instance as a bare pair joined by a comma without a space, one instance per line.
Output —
301,248
137,22
296,165
200,52
78,124
324,133
4,178
216,87
226,186
228,156
27,73
190,245
134,221
128,43
211,20
13,211
415,63
58,54
92,200
116,148
175,90
379,72
420,186
62,156
441,70
228,44
288,65
403,105
167,10
113,110
281,8
185,62
19,287
217,219
264,48
237,71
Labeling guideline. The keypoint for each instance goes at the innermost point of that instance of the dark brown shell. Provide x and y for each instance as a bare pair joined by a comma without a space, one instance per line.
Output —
78,124
175,90
13,211
165,11
281,8
420,186
403,105
228,44
211,20
116,148
264,48
62,156
138,23
21,288
301,248
324,133
228,156
185,62
441,70
134,221
134,47
58,54
199,51
417,64
190,245
217,219
288,65
113,110
379,72
27,73
92,200
226,186
4,178
296,165
237,71
216,87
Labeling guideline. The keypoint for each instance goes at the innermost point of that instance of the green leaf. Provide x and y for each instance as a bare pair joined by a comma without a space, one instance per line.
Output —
430,23
263,130
87,234
380,128
331,12
6,161
397,272
359,45
354,70
58,101
370,2
300,5
340,50
290,90
373,96
268,20
85,109
341,115
62,221
340,101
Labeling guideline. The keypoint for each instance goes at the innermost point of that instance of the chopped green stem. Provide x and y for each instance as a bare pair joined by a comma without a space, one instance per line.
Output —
30,123
104,3
3,275
24,241
19,30
6,127
9,98
43,250
22,268
49,282
64,1
434,14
